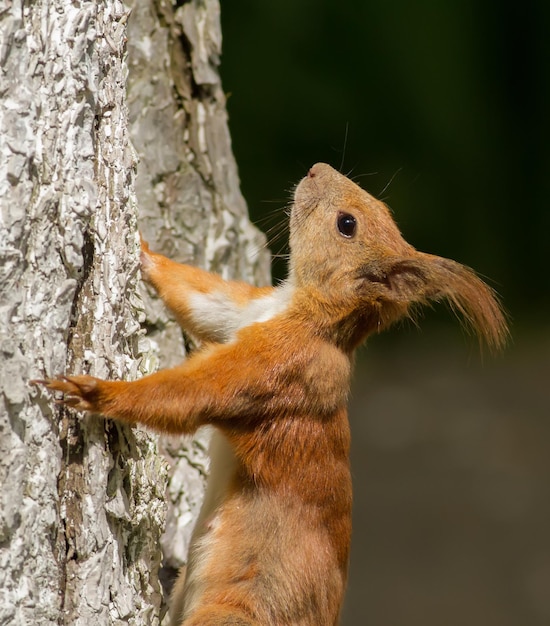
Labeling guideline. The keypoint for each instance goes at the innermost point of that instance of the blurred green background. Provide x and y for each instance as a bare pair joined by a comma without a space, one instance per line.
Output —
442,109
447,106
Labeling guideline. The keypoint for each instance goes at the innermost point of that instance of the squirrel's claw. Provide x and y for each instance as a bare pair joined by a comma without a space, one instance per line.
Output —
76,390
145,258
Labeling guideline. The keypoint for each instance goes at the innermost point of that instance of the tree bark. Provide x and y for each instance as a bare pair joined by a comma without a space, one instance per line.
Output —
83,500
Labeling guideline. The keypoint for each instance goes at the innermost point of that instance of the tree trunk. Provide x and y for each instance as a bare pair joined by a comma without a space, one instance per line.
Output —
82,499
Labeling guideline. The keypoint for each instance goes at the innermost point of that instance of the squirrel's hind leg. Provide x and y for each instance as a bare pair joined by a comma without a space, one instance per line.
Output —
219,616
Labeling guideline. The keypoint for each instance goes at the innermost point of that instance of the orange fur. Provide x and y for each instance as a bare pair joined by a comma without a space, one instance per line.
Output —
273,550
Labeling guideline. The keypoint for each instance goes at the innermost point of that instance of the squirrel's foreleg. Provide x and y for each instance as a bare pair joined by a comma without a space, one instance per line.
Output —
205,304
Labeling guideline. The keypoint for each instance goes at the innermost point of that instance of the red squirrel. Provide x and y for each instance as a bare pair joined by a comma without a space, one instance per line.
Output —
271,546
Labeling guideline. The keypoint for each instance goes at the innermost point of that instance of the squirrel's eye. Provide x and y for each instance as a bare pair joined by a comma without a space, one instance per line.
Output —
347,224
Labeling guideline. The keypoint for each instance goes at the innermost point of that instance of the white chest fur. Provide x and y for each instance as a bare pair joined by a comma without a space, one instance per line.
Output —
220,318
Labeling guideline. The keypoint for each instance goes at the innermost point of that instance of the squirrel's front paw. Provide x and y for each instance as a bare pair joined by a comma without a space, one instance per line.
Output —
146,259
79,392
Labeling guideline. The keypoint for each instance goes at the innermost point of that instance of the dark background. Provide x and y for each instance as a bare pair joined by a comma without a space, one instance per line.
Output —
442,109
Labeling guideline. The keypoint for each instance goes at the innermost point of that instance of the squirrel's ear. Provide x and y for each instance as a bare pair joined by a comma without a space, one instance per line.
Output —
421,278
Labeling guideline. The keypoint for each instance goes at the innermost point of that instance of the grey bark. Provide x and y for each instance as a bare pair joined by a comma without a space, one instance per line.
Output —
83,500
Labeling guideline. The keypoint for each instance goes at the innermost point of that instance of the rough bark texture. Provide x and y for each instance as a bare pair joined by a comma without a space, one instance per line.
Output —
82,500
191,207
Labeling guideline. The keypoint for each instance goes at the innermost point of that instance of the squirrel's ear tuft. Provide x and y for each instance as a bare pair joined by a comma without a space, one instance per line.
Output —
421,278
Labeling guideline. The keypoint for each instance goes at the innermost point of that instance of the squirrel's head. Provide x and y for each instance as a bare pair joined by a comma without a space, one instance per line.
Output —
346,246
